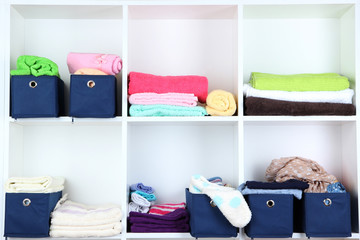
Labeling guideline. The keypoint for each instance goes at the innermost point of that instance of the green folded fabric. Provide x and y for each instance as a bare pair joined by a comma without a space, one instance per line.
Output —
37,66
157,110
299,82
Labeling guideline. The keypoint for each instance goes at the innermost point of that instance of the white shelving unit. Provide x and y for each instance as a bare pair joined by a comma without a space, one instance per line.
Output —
222,40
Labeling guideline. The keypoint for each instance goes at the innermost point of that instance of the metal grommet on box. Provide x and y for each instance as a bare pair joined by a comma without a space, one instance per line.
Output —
212,203
91,84
32,84
26,202
270,203
327,202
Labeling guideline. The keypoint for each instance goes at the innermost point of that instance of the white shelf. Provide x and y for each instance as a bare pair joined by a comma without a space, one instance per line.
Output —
299,119
208,120
66,121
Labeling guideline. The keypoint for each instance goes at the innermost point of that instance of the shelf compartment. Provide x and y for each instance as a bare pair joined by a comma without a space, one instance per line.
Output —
184,40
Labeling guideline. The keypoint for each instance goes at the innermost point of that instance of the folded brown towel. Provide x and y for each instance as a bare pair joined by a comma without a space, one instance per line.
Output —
265,106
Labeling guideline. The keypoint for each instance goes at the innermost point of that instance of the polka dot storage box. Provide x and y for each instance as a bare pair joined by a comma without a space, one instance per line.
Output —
272,215
206,220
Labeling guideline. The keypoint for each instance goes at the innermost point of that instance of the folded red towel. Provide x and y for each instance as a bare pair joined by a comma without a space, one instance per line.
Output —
143,82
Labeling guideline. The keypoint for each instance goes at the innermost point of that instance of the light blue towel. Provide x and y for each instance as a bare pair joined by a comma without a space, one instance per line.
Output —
141,187
159,110
147,196
246,191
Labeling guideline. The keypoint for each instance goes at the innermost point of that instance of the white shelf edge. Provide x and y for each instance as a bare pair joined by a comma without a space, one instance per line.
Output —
299,118
183,119
295,2
64,120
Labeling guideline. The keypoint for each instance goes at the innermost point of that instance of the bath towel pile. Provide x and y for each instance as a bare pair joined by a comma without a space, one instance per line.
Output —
289,168
71,219
299,94
94,63
175,221
141,198
36,66
151,95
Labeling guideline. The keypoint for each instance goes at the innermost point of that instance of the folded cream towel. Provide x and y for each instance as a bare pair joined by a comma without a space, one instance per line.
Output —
44,184
93,231
342,96
220,103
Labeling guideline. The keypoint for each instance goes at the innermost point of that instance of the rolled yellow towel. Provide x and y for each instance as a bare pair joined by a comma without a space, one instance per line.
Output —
220,103
89,71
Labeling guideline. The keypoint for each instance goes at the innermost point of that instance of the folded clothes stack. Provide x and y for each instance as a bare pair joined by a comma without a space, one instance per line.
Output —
175,221
44,184
151,95
36,66
141,198
299,94
306,170
71,219
94,63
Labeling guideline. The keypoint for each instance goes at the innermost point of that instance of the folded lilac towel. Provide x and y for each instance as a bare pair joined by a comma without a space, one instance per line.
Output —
108,63
178,99
289,184
141,187
179,216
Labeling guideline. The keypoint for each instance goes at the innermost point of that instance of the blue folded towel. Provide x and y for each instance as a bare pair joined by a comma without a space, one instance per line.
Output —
141,187
150,197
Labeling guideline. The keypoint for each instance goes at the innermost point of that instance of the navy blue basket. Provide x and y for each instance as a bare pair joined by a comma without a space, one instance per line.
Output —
327,214
205,220
28,214
272,215
93,96
35,97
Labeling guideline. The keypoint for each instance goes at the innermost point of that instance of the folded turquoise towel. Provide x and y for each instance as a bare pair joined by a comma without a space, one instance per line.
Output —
150,197
157,110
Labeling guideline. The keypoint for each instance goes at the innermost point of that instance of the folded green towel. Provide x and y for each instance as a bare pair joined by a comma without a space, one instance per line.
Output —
165,110
37,66
299,82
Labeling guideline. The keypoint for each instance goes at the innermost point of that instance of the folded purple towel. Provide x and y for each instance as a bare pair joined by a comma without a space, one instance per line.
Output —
289,184
141,187
160,228
179,216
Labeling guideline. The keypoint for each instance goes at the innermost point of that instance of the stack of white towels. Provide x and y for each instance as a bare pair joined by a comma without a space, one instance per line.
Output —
71,219
43,184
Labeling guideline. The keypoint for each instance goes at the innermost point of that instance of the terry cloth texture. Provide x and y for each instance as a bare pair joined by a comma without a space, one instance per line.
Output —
143,82
299,82
289,184
162,209
264,106
229,200
220,103
177,99
34,65
158,110
43,184
141,187
89,71
147,196
302,169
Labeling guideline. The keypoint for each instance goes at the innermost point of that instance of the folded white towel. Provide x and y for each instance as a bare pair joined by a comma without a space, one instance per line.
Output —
69,213
99,231
343,96
134,207
140,200
44,184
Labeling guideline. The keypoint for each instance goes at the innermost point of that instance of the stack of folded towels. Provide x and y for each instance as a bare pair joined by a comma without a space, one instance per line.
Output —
141,198
299,94
71,219
36,66
152,95
94,63
43,184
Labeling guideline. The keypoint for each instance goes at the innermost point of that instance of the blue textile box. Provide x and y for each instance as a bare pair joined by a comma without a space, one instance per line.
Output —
28,214
93,96
272,215
36,97
327,214
205,220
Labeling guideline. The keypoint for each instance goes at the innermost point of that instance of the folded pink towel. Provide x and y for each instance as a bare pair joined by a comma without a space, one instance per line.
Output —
148,83
178,99
108,63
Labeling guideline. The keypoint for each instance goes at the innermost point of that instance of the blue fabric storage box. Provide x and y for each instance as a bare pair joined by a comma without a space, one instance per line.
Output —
205,220
35,97
28,214
93,96
272,215
327,214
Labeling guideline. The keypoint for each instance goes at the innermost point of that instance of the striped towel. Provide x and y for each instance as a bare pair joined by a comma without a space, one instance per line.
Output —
163,209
